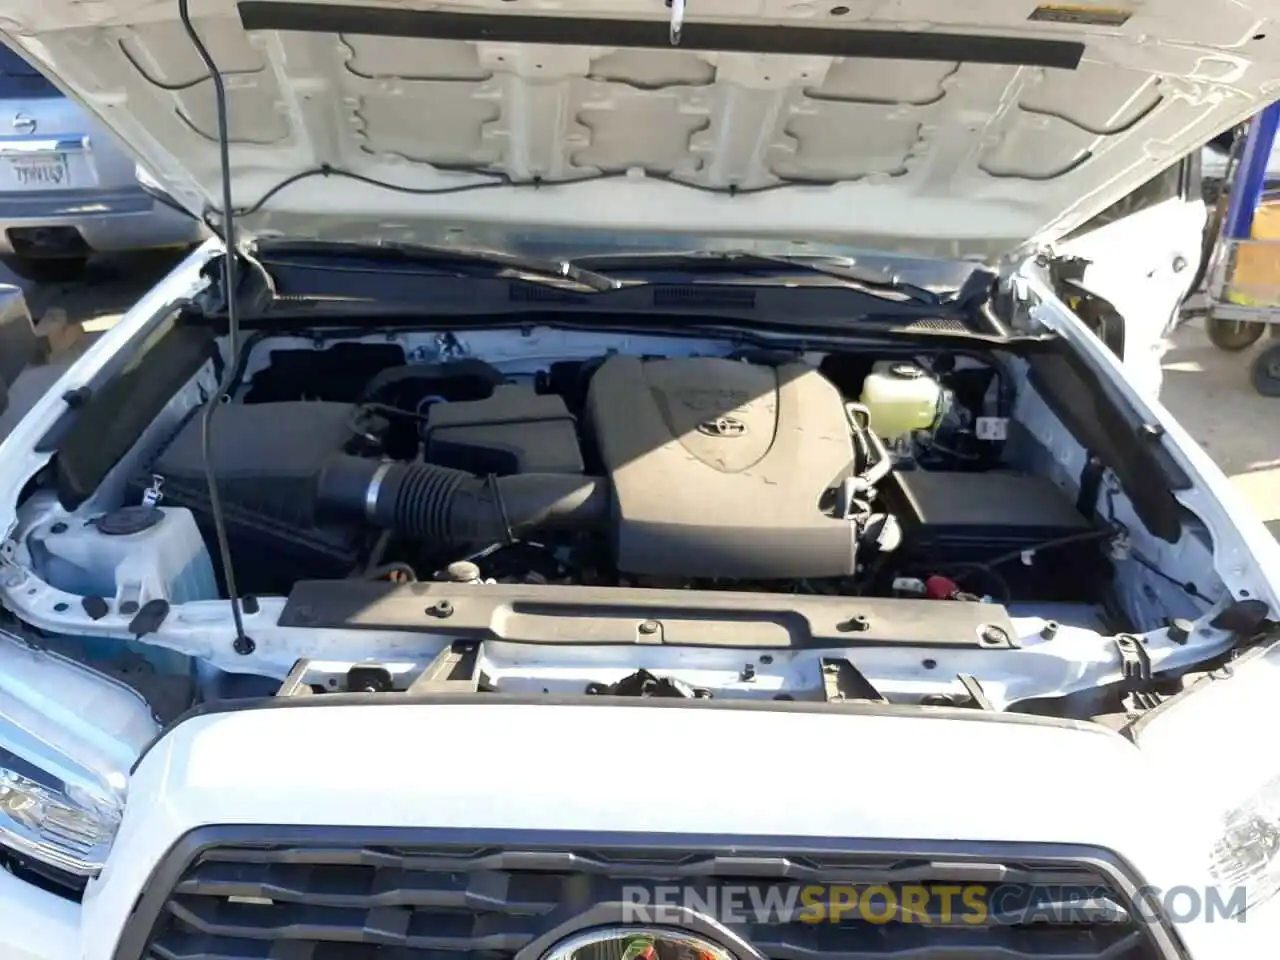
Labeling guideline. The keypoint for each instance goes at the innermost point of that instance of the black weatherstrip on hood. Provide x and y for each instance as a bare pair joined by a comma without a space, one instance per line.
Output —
655,34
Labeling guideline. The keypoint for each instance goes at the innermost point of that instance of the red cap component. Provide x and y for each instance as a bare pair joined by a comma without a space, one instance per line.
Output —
940,588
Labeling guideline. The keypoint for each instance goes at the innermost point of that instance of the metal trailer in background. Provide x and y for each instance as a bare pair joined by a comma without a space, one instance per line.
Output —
1242,284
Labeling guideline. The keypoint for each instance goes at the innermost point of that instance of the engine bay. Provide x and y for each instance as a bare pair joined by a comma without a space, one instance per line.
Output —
622,514
757,473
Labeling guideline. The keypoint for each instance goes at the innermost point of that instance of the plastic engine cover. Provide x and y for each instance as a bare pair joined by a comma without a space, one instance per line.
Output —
720,468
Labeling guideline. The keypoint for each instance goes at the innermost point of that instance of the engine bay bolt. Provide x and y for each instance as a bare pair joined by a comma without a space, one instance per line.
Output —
441,608
649,627
748,672
243,646
993,636
1049,630
462,571
1180,630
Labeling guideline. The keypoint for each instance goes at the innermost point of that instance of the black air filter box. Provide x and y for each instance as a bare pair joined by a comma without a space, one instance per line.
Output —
513,431
266,457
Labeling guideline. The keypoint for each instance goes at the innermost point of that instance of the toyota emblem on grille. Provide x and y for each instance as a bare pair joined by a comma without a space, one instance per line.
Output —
24,123
722,427
637,943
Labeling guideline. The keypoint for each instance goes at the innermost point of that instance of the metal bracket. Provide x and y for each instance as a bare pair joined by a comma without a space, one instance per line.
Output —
456,669
974,689
295,684
842,681
1135,662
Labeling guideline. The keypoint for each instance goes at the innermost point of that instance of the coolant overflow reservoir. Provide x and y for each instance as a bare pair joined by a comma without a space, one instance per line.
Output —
901,398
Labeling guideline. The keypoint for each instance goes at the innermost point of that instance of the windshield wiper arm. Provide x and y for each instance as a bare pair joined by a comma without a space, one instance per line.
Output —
546,268
746,261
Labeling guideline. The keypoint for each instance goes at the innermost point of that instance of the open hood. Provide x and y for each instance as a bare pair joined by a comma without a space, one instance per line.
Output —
932,126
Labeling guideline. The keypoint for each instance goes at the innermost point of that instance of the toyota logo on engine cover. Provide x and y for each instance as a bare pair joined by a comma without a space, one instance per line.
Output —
722,427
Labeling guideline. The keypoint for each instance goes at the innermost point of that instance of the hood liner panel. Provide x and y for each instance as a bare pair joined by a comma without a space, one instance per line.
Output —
918,126
650,34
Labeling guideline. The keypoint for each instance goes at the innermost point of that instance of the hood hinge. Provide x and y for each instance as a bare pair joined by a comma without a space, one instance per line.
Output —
255,289
1010,263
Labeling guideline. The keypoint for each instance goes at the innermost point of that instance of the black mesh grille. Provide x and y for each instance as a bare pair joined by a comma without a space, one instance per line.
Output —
438,903
936,325
694,296
529,293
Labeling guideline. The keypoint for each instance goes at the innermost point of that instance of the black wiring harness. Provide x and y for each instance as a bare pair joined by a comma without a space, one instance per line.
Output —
242,643
493,181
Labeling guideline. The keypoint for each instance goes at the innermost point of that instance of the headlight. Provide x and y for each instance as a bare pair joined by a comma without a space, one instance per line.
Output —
1245,856
68,737
65,825
1209,740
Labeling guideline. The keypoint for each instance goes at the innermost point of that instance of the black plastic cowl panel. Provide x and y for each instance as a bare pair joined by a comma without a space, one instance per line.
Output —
104,427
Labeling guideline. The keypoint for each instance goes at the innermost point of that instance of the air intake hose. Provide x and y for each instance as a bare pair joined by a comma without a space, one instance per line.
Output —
454,507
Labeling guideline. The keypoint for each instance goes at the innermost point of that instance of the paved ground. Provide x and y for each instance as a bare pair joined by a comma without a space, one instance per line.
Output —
1208,390
109,287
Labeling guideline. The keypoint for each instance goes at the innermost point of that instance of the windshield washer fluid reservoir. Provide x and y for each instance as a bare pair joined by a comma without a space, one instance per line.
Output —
901,398
131,556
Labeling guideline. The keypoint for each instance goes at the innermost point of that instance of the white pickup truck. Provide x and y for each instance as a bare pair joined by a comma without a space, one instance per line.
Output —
619,460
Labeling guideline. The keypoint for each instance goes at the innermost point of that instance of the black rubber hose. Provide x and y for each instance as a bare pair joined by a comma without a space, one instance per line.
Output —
454,507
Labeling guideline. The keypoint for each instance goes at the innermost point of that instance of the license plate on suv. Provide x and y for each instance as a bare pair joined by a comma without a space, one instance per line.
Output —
41,172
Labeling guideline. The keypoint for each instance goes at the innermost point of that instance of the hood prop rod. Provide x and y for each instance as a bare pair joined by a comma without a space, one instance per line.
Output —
242,643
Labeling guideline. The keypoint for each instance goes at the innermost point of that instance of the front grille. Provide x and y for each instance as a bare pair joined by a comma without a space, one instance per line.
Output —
394,901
